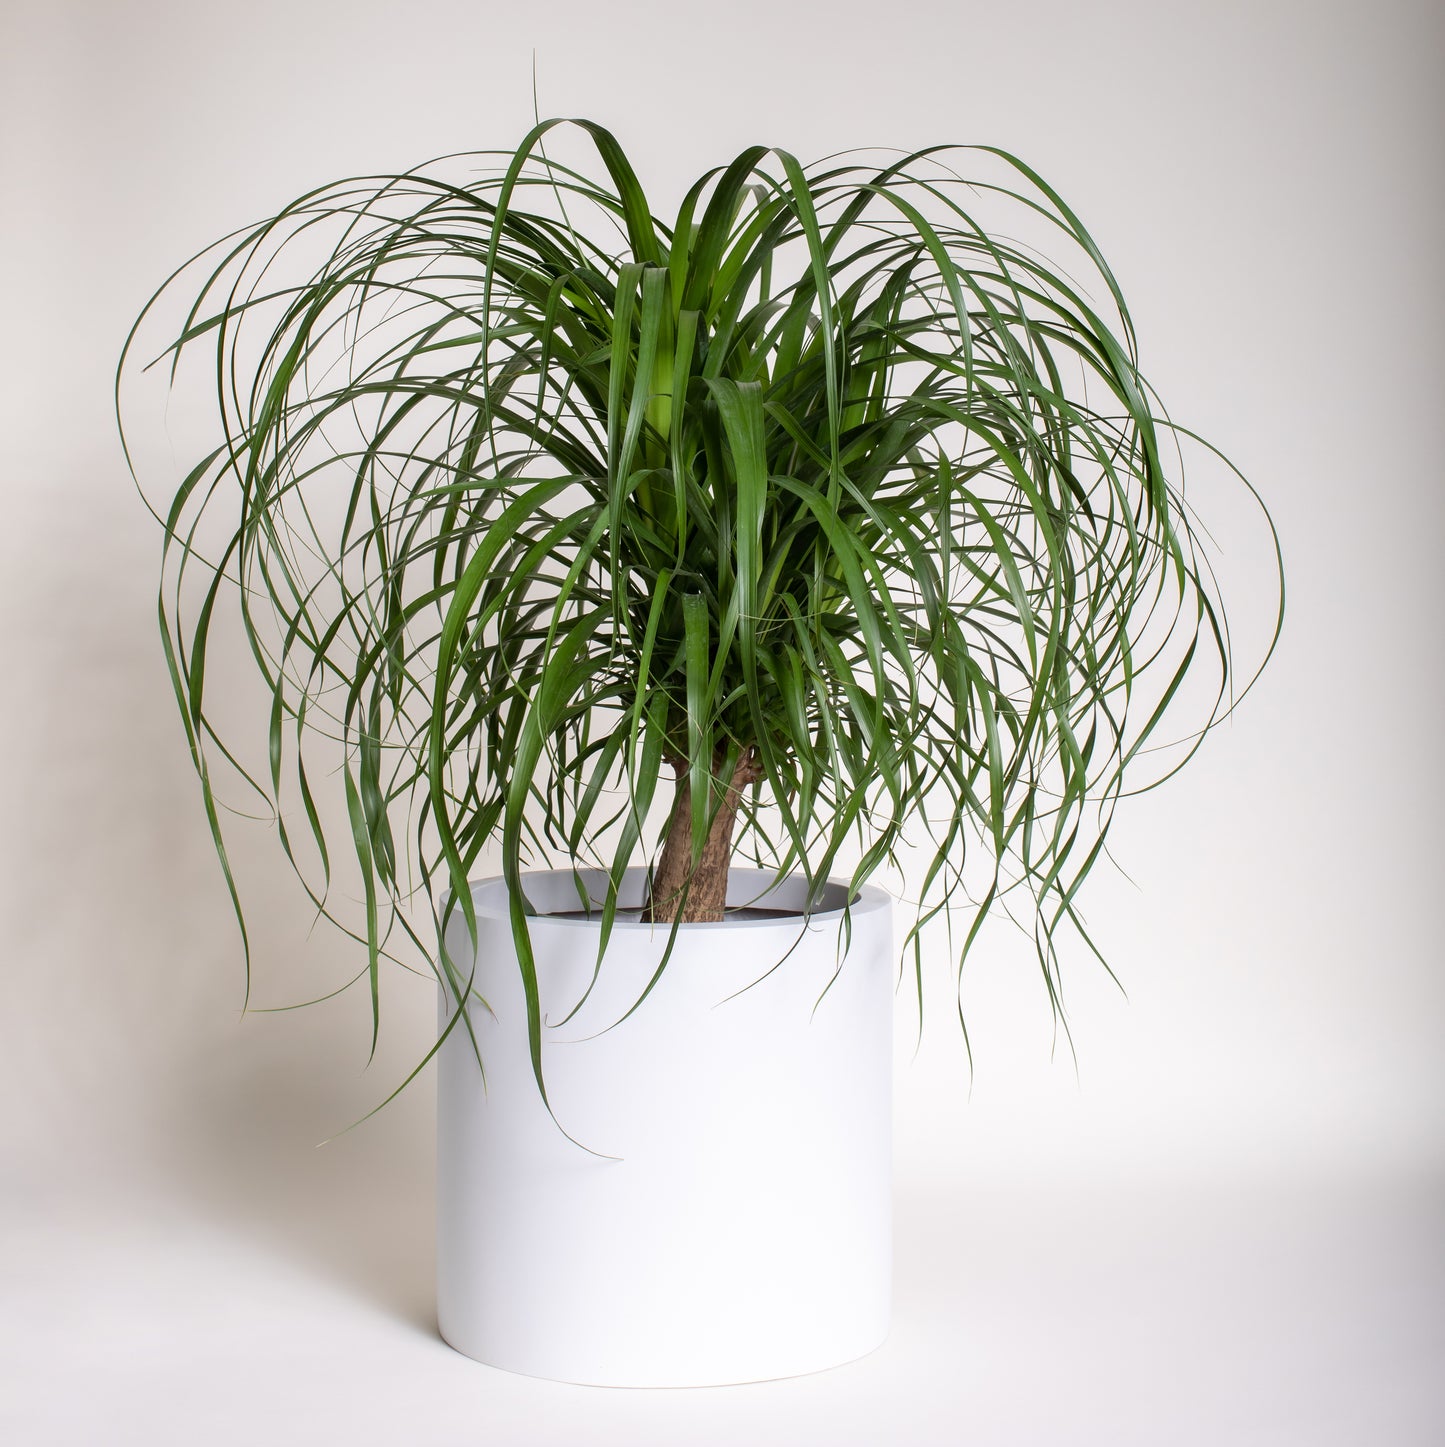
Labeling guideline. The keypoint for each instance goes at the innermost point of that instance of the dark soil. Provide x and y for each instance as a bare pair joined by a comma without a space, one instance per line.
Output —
749,911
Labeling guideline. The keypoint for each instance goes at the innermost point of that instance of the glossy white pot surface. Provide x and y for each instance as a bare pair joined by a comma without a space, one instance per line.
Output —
729,1219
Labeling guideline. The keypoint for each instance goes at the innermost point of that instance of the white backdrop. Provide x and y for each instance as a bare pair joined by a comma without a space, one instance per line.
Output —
1225,1225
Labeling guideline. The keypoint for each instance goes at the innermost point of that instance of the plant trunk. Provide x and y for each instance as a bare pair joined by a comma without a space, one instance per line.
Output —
707,885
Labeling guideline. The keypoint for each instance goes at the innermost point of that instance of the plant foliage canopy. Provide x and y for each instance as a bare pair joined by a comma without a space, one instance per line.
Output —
856,519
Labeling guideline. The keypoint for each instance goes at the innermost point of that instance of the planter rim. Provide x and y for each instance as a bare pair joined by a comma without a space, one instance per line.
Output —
490,899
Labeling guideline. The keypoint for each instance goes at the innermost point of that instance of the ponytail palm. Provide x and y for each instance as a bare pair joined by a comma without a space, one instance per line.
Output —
816,524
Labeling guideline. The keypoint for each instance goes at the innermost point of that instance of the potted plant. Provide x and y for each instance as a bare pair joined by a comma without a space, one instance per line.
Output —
823,529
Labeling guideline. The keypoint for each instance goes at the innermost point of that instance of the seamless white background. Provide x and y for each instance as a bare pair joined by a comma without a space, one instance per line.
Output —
1224,1226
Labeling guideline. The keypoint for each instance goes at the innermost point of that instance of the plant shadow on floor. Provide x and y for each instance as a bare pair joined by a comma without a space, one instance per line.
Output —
220,1117
356,1211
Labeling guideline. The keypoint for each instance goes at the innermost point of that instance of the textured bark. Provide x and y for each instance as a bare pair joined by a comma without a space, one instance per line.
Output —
708,886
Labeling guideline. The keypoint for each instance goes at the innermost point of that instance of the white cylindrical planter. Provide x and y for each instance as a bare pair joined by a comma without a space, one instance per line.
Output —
735,1221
